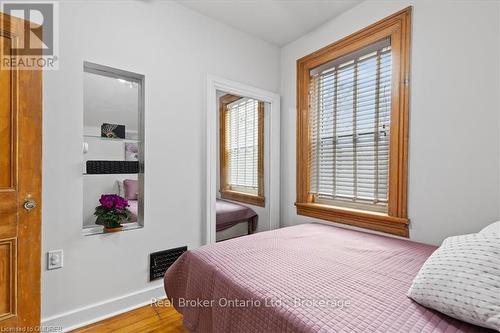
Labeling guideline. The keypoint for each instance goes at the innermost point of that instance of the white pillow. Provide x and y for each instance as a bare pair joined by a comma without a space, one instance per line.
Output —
462,279
494,227
120,190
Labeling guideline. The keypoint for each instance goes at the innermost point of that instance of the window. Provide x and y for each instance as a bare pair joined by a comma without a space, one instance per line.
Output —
352,128
241,149
349,119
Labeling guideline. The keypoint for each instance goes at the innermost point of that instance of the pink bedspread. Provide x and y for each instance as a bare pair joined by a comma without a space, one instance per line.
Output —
229,214
306,278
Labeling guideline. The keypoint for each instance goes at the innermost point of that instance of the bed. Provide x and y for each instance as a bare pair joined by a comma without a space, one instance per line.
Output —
229,214
305,278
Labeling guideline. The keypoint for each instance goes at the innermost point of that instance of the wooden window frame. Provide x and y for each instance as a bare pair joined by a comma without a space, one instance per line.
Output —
225,191
395,221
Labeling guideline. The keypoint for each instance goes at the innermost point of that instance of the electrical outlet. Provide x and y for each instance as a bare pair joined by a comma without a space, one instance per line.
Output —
54,259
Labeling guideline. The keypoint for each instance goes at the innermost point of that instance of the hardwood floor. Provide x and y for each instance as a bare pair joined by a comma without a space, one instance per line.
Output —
150,318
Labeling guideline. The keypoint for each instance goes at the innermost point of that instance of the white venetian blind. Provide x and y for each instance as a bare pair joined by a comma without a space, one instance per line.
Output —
350,106
242,144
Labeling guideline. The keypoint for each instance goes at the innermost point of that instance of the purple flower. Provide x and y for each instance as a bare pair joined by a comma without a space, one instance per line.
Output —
112,211
111,201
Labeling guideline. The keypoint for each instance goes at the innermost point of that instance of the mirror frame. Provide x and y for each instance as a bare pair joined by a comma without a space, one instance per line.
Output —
115,73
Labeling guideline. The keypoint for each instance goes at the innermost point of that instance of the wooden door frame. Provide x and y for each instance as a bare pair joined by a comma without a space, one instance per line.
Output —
213,84
27,155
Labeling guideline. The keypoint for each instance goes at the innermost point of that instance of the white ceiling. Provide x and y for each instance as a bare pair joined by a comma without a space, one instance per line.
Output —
277,21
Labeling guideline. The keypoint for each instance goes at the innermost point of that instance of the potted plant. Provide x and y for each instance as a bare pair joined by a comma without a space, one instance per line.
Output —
112,212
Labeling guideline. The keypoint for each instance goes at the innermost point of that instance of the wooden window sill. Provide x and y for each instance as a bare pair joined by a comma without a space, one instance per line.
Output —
358,218
247,198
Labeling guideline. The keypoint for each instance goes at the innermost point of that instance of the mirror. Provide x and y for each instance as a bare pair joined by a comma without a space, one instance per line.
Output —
113,154
242,166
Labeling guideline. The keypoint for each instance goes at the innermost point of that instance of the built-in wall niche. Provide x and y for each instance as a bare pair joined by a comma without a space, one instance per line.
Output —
113,149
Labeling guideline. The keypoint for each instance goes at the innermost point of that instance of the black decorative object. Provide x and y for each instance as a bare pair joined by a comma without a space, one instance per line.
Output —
113,131
109,167
160,261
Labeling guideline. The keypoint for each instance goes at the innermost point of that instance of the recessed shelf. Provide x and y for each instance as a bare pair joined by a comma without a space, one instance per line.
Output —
108,174
99,230
111,139
112,107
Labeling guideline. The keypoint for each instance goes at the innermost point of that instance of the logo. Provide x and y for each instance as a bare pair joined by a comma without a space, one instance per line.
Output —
34,30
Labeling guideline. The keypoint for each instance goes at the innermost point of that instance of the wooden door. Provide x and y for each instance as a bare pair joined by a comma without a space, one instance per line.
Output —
20,180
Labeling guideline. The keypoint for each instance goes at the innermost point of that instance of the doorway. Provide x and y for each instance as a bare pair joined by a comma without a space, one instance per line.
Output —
243,179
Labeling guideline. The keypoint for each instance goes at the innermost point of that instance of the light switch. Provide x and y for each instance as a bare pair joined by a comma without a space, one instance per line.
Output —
54,259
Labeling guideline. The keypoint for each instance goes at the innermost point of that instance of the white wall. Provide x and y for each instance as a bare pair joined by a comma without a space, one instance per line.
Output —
454,112
174,48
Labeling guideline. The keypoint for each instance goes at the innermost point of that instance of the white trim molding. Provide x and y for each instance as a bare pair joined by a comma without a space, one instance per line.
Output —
93,313
215,83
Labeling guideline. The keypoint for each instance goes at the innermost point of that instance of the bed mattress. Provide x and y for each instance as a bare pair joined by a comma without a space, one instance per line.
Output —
306,278
228,214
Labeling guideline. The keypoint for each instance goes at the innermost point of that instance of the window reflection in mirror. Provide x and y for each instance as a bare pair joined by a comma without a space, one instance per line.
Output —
242,164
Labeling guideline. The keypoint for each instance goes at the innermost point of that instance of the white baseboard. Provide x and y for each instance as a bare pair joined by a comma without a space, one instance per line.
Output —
99,311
